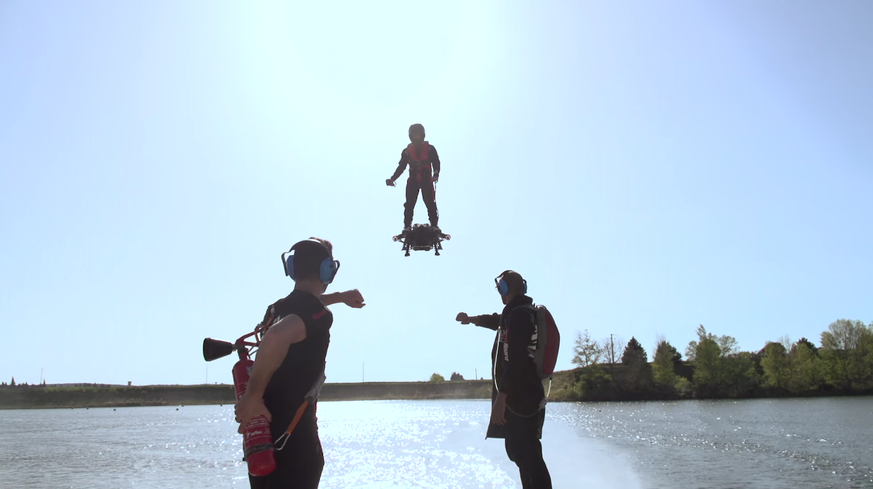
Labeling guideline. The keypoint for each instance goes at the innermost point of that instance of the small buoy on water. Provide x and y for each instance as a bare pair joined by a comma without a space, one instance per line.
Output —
177,409
113,409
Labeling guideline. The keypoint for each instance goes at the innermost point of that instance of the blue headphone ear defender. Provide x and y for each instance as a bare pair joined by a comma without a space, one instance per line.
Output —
326,271
503,287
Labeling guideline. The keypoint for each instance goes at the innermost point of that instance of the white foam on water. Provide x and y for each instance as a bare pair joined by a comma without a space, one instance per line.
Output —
576,462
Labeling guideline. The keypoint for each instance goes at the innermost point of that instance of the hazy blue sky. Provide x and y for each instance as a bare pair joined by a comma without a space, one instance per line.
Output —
647,167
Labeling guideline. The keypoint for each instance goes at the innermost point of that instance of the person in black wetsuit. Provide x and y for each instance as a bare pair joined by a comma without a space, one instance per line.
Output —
424,171
290,362
518,398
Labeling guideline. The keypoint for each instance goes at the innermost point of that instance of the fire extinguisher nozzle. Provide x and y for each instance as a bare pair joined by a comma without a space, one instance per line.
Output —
213,349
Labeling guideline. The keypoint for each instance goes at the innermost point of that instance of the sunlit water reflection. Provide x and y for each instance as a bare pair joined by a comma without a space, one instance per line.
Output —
440,444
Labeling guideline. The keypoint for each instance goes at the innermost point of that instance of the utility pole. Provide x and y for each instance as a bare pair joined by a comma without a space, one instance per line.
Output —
611,356
40,375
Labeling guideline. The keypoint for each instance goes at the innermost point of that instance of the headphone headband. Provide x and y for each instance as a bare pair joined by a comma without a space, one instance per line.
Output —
312,240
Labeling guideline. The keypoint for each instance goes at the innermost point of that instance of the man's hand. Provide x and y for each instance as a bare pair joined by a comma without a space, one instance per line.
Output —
249,408
498,410
465,319
389,182
353,298
436,178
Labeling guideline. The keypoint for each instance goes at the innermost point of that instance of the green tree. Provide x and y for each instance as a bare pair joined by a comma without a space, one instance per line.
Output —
808,344
804,367
595,384
704,352
707,370
727,345
586,351
634,353
843,334
844,353
664,362
719,369
776,365
437,378
456,376
738,375
13,381
862,360
638,374
691,349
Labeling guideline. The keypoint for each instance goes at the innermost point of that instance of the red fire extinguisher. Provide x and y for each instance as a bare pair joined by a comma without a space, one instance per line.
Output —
257,440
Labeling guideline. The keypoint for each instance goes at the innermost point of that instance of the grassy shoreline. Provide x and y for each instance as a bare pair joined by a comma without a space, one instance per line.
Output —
61,397
567,386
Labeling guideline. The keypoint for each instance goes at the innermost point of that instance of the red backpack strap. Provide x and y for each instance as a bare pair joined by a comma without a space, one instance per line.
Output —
421,158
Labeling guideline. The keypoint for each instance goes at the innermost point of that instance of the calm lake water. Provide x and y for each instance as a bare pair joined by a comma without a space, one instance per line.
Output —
785,443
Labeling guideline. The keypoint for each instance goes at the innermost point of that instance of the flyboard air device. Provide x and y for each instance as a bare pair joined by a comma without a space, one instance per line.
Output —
422,237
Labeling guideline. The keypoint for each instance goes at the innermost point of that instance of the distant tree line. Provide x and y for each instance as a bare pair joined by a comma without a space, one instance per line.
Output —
13,384
715,367
439,378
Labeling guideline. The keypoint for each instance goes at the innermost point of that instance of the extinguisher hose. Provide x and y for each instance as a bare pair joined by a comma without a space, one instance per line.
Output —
309,399
292,425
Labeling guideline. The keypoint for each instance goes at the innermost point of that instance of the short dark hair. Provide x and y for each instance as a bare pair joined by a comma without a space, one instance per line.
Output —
308,255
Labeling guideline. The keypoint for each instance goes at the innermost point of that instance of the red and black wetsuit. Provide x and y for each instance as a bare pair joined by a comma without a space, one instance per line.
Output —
300,462
424,164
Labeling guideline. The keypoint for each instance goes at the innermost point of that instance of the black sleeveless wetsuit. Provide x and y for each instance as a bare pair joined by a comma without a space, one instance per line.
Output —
300,462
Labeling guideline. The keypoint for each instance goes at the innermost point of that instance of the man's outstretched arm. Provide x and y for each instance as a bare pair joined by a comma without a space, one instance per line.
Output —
490,321
351,298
